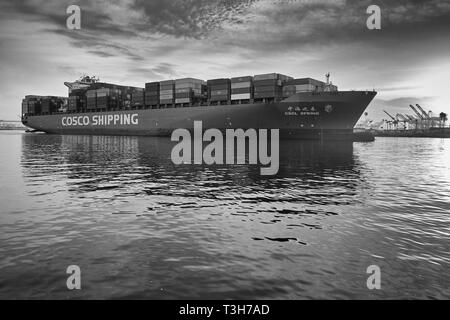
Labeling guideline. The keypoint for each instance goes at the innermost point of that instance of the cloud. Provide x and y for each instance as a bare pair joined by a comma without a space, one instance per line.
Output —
292,25
189,18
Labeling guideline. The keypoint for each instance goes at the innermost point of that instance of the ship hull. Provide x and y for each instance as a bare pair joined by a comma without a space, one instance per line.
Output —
303,116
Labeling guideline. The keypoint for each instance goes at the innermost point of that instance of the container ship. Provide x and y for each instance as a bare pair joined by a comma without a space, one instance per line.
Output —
302,108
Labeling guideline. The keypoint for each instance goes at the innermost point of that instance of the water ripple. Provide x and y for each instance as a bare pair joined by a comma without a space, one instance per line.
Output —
141,227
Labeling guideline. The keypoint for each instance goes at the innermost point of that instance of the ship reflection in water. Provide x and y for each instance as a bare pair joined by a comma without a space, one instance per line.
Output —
140,227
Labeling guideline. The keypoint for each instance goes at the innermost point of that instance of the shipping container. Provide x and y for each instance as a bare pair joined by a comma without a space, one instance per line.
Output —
193,86
215,82
166,83
241,90
188,80
167,88
77,92
183,95
34,107
166,92
237,85
91,103
219,98
25,106
284,78
270,82
47,105
103,92
74,104
152,102
137,98
166,101
272,76
301,81
190,86
241,96
220,93
267,94
292,89
182,90
152,86
241,79
266,76
219,87
152,94
183,100
267,88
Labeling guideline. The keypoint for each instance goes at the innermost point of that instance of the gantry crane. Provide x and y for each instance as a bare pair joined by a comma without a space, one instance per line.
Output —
413,121
419,115
402,118
394,120
416,112
426,116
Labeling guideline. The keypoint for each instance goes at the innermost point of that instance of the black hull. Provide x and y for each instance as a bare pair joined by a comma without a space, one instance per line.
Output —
324,116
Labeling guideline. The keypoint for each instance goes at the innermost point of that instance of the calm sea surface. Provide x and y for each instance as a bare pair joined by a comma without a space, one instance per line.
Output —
140,227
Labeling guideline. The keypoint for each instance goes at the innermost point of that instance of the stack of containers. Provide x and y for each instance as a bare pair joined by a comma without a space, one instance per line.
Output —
33,104
91,97
132,97
219,90
77,99
123,97
104,97
187,89
24,106
269,85
241,88
77,92
118,94
166,92
46,104
75,103
137,97
50,104
61,102
152,94
302,85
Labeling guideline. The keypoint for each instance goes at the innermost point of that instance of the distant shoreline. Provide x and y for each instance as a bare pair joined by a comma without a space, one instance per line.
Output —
12,128
432,133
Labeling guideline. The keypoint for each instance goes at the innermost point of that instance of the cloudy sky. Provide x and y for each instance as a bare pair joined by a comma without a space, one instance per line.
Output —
135,41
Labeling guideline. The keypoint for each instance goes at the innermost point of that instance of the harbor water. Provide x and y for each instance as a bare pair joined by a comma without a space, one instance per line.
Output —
140,227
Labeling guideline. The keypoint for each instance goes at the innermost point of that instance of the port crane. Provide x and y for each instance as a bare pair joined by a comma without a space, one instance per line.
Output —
419,115
426,116
431,121
402,118
394,120
412,120
416,112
